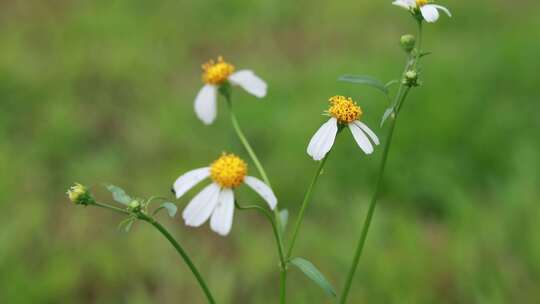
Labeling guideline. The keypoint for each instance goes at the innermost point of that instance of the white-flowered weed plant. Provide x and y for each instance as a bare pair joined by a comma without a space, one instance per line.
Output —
217,201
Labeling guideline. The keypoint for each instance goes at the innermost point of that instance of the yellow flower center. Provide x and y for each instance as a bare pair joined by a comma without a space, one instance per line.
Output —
344,109
216,73
420,3
228,171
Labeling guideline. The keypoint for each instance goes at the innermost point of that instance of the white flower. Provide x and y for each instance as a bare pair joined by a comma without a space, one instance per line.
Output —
346,112
216,74
217,199
428,11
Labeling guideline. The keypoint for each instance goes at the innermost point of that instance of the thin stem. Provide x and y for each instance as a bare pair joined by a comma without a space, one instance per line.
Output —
182,253
113,208
279,242
370,213
304,205
401,96
170,238
245,142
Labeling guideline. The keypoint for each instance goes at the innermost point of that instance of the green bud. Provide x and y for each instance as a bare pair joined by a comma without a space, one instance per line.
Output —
411,78
408,42
134,205
80,195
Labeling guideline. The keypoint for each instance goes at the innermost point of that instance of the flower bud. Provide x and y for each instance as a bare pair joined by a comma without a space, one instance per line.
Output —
134,205
408,42
80,195
411,78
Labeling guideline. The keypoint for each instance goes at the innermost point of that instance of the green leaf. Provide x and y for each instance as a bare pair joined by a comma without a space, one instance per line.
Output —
126,224
423,54
283,219
119,194
171,208
387,114
365,80
314,274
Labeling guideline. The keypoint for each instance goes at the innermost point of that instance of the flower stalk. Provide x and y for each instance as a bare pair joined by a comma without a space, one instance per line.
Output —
179,249
401,96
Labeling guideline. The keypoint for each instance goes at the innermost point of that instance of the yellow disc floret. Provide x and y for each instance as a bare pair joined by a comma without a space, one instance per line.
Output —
228,171
420,3
216,73
344,109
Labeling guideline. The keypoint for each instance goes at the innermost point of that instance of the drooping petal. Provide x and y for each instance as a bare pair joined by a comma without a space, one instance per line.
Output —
406,4
442,8
189,179
430,13
323,140
222,218
368,131
249,82
262,189
206,104
201,206
361,138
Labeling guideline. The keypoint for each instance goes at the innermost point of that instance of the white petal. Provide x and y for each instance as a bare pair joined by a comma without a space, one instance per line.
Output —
206,104
361,138
323,140
189,179
430,13
262,189
201,206
249,82
368,131
442,8
406,4
222,218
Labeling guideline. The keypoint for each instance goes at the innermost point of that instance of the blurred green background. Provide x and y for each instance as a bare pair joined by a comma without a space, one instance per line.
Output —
102,91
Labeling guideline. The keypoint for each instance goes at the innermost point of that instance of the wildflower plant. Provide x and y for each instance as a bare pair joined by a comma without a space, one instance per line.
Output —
217,201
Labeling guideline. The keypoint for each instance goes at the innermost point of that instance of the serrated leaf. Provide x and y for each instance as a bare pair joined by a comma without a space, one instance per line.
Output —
283,219
119,194
387,114
366,80
171,208
314,274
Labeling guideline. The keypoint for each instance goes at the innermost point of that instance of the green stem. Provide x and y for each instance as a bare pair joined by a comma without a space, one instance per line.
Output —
170,238
279,242
182,253
113,208
304,205
401,96
226,93
245,142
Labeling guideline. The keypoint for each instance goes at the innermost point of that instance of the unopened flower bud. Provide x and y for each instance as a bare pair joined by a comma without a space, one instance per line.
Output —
80,195
134,205
408,42
411,78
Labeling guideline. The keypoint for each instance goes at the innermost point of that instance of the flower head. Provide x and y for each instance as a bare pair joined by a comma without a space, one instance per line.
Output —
228,171
345,112
216,201
79,195
216,74
344,109
422,9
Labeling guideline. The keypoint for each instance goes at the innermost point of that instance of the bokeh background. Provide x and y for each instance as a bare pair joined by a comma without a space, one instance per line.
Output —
102,91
